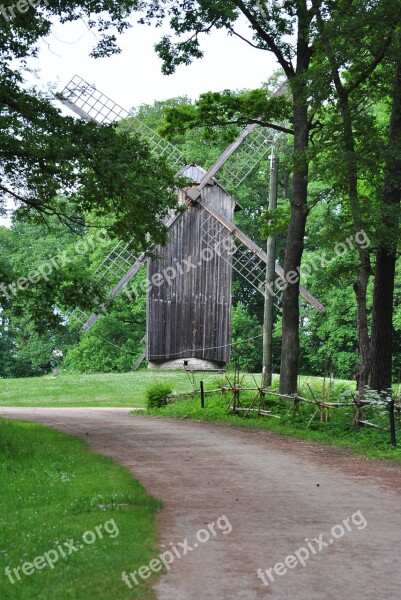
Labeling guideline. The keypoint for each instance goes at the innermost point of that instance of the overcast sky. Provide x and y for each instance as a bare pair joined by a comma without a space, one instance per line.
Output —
134,77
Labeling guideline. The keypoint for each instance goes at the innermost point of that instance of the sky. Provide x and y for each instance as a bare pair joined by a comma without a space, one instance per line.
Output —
134,77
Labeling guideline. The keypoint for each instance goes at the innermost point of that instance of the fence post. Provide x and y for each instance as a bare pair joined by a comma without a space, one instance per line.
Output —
202,395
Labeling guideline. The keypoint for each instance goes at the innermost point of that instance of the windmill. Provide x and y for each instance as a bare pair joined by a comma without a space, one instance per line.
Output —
188,317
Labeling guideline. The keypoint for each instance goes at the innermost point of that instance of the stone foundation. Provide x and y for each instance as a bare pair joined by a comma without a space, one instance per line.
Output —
197,364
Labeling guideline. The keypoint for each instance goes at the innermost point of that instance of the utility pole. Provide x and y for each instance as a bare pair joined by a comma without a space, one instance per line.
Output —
270,278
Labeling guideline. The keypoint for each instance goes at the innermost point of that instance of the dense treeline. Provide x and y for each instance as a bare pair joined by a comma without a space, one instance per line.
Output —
338,218
328,340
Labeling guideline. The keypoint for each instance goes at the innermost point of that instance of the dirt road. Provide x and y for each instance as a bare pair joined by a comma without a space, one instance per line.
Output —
282,498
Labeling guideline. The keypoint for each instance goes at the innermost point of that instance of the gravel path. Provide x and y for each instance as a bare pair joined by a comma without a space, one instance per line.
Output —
273,492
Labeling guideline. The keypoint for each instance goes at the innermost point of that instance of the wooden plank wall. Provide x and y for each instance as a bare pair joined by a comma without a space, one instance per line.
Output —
190,316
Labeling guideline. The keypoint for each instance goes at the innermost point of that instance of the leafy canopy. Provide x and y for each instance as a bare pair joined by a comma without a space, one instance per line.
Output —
43,153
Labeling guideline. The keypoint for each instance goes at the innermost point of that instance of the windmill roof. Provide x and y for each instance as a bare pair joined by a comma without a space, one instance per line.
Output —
195,174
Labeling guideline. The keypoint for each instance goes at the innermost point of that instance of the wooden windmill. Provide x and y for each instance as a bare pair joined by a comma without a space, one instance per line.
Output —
188,305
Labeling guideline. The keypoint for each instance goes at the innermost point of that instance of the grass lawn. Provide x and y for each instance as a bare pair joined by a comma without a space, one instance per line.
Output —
53,489
111,389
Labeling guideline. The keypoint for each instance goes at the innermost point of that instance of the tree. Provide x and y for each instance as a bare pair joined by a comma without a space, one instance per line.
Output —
30,328
329,339
114,342
247,339
33,316
386,255
43,153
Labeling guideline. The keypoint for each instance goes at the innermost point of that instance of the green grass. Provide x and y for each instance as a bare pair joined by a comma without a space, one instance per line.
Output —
54,489
111,389
339,430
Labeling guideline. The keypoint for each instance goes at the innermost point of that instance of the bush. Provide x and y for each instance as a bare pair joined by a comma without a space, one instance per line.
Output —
156,395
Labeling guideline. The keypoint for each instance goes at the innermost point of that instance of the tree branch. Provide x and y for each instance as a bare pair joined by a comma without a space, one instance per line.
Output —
241,37
46,211
284,63
335,68
260,122
375,62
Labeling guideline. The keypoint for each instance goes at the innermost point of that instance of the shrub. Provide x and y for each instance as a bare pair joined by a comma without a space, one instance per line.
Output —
156,395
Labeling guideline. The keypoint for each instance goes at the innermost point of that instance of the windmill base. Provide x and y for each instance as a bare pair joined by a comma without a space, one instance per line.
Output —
196,364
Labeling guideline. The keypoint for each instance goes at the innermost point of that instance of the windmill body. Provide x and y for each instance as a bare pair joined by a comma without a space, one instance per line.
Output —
189,303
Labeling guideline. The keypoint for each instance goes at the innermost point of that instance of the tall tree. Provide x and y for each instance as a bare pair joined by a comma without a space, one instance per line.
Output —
386,255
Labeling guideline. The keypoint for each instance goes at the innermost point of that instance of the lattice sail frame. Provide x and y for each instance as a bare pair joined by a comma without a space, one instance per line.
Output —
243,260
115,272
116,264
89,103
246,158
109,273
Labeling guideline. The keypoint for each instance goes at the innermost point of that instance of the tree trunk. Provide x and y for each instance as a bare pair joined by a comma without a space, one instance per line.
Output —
361,288
364,272
382,323
383,296
299,206
294,249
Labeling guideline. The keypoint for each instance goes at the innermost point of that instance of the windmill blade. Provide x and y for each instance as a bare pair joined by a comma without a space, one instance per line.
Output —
115,265
116,271
89,103
92,105
121,265
254,142
247,258
87,319
195,193
247,157
247,151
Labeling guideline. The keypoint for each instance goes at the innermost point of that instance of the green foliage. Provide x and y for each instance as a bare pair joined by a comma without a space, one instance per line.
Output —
229,108
31,327
247,339
329,339
275,222
44,153
114,343
80,490
156,395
